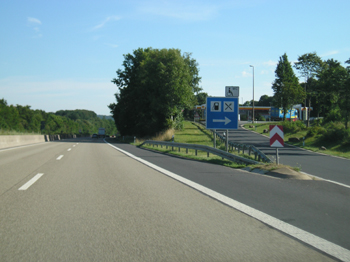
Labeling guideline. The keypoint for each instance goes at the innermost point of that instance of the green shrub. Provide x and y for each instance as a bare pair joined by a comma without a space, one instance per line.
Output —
334,115
335,132
315,131
293,127
261,118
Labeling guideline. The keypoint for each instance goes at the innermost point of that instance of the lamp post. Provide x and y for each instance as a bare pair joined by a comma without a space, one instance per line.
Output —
253,93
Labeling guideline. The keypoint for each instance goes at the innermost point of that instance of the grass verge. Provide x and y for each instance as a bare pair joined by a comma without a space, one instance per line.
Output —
192,133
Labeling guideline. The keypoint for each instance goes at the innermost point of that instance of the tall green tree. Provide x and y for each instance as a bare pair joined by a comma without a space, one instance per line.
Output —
287,90
331,82
309,66
345,96
154,87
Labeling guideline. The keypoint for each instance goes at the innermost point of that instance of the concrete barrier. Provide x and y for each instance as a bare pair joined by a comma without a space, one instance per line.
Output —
13,141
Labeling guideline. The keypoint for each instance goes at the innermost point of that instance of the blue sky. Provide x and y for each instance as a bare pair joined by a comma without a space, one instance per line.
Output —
63,54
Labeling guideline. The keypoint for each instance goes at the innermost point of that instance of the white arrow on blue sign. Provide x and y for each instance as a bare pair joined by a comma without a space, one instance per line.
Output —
222,113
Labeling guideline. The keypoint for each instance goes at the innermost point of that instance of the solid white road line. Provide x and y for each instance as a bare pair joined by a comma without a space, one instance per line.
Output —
31,182
60,157
306,237
327,180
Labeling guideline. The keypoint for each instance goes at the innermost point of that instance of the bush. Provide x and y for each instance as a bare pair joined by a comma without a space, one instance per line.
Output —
261,118
315,131
335,132
293,127
333,116
178,123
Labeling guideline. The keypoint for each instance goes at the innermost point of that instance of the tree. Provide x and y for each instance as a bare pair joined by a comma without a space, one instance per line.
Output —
286,86
309,65
265,100
345,96
154,87
331,82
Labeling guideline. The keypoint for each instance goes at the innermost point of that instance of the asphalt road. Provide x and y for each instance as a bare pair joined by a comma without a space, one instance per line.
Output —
327,167
94,203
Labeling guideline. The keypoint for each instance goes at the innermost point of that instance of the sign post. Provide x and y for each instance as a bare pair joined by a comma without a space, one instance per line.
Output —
276,139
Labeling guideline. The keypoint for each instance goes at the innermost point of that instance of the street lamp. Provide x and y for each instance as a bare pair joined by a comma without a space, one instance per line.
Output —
253,92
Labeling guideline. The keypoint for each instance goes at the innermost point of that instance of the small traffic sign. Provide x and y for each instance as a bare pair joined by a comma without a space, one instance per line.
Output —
276,136
222,113
232,91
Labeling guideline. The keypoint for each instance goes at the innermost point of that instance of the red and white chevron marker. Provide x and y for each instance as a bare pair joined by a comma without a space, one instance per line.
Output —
276,136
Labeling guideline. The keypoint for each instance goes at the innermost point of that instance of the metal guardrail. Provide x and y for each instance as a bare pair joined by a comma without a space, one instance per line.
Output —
208,149
260,156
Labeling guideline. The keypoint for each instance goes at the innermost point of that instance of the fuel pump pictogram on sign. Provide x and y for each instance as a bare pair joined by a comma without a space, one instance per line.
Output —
215,106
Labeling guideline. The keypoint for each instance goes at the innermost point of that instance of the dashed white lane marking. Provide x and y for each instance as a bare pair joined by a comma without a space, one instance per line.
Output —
31,182
73,145
306,237
69,149
60,157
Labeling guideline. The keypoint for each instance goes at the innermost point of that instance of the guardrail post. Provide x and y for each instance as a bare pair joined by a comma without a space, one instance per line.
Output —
207,154
196,151
179,149
255,154
186,150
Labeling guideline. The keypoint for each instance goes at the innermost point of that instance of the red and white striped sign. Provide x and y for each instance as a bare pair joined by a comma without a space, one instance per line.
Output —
276,136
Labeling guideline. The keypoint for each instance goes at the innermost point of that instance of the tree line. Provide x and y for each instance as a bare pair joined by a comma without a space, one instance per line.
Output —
326,86
23,119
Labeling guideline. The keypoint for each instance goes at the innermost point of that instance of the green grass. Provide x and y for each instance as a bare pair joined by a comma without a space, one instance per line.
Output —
312,143
192,133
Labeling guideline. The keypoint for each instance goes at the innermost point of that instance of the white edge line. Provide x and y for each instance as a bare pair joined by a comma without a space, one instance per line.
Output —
31,182
327,180
306,237
59,158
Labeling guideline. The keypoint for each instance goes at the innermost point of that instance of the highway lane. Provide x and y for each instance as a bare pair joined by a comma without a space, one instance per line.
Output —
18,164
97,204
318,207
327,167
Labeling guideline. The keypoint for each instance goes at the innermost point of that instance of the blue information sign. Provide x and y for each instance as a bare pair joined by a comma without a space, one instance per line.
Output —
222,113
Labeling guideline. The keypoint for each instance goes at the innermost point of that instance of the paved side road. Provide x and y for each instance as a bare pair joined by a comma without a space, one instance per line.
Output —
97,204
327,167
